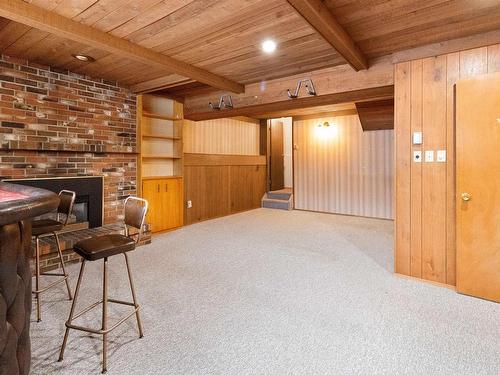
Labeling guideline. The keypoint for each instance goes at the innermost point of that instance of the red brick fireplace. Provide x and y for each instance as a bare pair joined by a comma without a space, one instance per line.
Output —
55,123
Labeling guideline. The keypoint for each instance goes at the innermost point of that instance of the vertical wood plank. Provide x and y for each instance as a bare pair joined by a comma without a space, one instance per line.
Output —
416,171
473,62
402,124
434,174
494,58
453,72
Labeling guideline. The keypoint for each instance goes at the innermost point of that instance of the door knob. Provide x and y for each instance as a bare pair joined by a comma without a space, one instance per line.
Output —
466,197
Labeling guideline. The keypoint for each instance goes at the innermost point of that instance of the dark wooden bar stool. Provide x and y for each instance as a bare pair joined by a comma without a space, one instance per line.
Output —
49,227
102,247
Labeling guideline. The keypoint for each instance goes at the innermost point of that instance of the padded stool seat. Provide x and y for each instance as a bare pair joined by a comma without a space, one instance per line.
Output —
104,246
45,226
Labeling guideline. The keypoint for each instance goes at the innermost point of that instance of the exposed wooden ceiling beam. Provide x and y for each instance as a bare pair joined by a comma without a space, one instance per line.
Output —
376,115
341,112
42,19
376,93
323,21
160,83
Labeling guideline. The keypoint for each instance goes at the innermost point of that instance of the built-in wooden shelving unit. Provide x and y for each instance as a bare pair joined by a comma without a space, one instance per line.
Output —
160,168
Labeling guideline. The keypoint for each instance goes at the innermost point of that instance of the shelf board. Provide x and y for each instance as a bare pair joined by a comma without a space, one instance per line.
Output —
160,156
170,137
161,117
158,177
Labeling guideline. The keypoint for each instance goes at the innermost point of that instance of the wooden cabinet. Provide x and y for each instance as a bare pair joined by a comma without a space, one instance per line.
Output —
165,197
159,129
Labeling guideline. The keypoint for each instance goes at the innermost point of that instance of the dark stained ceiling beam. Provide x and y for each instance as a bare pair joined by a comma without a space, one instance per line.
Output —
42,19
323,21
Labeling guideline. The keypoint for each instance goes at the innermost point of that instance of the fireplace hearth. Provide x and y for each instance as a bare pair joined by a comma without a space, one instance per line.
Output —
89,196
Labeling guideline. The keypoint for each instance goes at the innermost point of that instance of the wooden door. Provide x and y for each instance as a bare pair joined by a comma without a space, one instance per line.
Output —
276,160
151,192
172,201
478,186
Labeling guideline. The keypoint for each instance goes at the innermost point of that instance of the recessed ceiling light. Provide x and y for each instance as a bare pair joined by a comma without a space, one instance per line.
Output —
268,46
83,57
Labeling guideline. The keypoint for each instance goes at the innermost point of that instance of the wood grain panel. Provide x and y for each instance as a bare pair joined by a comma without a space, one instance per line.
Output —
434,174
402,135
416,172
234,136
341,169
425,218
215,159
376,115
222,185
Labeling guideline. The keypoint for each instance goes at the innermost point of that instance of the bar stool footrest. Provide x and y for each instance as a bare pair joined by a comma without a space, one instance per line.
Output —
38,291
103,331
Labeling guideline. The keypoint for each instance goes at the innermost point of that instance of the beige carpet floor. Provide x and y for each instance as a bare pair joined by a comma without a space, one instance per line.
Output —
275,292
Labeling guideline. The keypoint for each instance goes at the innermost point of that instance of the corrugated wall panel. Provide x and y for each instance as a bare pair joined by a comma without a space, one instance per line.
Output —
228,136
350,172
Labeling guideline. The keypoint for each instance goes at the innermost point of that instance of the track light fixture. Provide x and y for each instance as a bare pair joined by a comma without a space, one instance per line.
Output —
309,85
224,102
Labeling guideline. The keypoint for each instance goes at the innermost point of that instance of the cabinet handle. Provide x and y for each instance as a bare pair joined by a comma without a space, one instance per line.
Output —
158,188
166,188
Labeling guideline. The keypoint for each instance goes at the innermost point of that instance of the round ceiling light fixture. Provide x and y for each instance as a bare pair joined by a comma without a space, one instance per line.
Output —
269,46
82,57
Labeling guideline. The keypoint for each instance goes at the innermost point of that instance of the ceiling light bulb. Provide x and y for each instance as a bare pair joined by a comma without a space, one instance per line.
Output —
83,57
268,46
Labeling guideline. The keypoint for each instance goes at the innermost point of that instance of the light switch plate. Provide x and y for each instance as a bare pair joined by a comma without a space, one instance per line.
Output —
441,156
429,156
417,156
417,138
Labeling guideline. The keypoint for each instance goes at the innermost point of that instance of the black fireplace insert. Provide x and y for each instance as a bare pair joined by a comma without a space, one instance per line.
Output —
89,194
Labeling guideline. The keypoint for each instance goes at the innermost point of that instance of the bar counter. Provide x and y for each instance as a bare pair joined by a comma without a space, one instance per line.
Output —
18,205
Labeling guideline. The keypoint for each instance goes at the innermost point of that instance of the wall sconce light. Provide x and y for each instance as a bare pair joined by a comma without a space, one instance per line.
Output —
326,130
225,102
308,84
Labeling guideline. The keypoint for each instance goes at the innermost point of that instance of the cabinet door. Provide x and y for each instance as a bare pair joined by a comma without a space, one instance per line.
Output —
151,192
173,209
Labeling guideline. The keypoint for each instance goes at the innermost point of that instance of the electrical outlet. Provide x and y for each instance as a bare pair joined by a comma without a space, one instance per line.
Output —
441,156
189,204
429,156
417,156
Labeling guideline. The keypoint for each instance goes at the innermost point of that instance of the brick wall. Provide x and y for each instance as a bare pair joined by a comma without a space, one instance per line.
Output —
57,123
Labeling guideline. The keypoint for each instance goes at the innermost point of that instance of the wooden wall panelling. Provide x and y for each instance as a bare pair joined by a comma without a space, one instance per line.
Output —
425,201
219,185
402,132
416,171
248,185
434,174
452,76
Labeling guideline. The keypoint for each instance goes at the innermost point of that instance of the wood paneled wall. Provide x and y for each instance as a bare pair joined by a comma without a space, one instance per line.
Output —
231,136
425,195
350,172
223,172
219,185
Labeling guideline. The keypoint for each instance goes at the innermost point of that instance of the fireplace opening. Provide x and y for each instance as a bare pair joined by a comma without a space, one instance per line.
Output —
88,208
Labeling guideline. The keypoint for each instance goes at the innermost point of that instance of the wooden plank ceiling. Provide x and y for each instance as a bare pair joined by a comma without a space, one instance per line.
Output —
224,36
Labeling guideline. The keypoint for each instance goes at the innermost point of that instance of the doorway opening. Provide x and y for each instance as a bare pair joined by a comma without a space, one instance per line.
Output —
280,162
